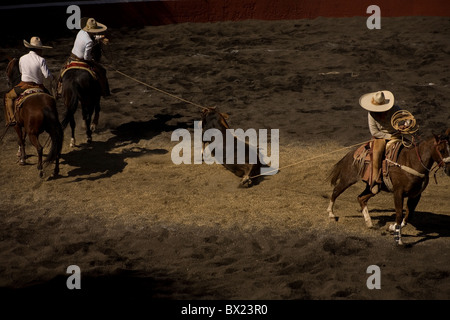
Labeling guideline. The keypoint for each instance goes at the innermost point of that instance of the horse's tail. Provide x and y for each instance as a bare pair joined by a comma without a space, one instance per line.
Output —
55,130
71,106
343,168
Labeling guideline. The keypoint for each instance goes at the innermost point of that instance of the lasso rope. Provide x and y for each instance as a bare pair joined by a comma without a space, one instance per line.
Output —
310,159
405,123
159,90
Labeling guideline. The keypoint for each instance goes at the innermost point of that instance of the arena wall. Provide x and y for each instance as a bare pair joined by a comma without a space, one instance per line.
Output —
156,12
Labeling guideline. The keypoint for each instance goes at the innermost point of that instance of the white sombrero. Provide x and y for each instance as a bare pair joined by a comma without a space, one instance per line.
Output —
35,43
379,101
94,26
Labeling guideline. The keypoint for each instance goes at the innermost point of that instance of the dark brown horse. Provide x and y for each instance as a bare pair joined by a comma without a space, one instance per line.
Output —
38,113
80,87
406,183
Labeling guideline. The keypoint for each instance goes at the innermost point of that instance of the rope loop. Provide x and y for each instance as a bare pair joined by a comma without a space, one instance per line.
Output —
404,122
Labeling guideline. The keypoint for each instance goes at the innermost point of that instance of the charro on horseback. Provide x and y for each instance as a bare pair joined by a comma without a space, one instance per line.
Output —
33,70
81,56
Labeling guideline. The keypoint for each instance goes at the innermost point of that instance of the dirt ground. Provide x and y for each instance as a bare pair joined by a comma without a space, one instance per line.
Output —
136,224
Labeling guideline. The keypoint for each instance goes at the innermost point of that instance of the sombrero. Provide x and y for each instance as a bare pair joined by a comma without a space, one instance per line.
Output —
35,43
94,26
379,101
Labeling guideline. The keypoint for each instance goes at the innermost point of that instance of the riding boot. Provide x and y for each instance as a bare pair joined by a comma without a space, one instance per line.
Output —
9,108
377,156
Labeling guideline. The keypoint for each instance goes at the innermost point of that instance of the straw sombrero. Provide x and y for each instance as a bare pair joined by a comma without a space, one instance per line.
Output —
94,26
35,43
379,101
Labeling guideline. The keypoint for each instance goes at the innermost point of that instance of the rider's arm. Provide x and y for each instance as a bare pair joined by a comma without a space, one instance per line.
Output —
376,129
45,71
88,50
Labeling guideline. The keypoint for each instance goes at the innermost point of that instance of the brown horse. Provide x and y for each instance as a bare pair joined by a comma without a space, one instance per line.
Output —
409,177
38,113
213,119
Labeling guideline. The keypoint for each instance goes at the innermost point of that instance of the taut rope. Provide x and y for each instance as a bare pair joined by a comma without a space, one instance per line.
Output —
310,159
159,90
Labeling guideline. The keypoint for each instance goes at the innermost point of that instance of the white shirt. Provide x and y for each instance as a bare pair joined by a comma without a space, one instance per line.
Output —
33,68
82,46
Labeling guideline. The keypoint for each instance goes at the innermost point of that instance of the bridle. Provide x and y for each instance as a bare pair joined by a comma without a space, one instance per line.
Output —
442,161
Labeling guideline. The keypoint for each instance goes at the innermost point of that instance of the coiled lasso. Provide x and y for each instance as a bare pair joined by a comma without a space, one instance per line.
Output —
405,123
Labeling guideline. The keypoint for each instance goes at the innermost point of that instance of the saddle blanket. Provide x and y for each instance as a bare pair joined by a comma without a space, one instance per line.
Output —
26,94
79,65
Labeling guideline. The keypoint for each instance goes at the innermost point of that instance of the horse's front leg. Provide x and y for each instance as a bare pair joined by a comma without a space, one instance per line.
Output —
397,227
96,116
21,141
411,205
88,128
72,127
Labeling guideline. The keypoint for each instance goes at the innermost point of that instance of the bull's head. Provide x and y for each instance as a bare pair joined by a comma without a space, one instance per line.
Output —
212,118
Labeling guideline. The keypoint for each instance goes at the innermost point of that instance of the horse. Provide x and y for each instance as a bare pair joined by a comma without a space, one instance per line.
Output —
37,113
212,118
80,87
409,177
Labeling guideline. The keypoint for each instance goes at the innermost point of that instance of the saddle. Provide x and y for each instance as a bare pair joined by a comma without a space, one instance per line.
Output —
362,158
26,94
77,64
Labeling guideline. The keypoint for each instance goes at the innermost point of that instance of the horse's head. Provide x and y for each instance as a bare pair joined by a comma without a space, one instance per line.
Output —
13,72
442,151
212,118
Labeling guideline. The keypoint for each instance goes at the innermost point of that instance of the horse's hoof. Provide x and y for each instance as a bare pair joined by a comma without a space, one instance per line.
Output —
88,140
332,216
245,183
22,162
41,173
93,127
